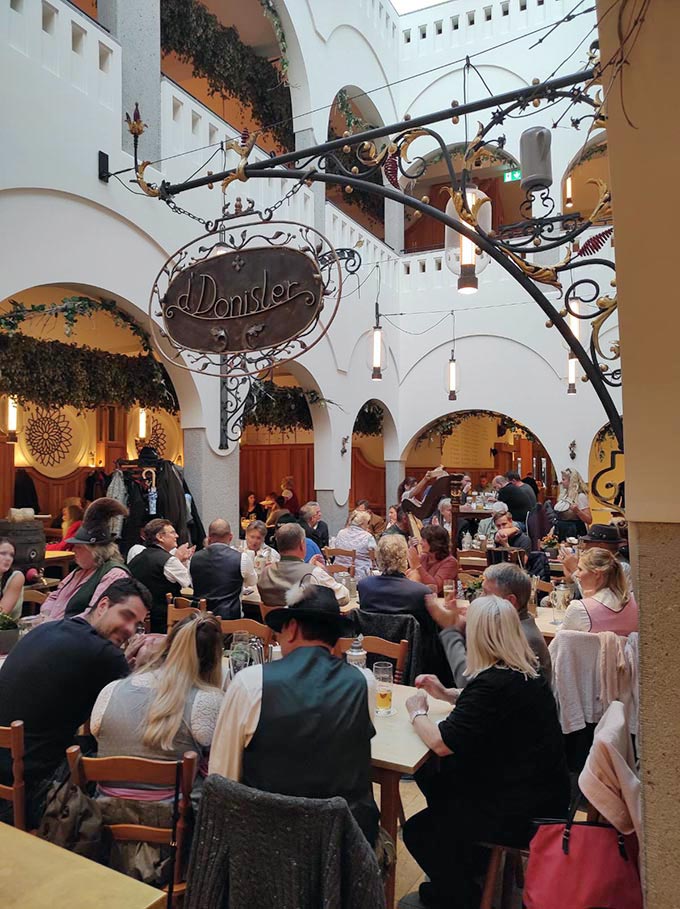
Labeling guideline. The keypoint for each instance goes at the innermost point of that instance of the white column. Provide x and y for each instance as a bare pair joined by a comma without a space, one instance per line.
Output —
212,478
137,27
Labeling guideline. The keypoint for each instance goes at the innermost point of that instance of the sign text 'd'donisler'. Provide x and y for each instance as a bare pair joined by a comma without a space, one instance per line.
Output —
242,300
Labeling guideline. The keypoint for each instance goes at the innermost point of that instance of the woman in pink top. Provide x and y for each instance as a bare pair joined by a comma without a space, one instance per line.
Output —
607,604
436,564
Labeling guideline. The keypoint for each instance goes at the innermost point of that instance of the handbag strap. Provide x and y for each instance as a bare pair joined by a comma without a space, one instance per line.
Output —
566,835
173,841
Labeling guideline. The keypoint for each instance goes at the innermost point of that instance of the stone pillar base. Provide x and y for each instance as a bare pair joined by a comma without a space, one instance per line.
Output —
213,479
333,514
655,552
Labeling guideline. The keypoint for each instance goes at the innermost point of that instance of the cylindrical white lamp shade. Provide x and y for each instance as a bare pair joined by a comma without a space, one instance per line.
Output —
535,159
377,353
142,423
459,251
453,389
12,415
568,198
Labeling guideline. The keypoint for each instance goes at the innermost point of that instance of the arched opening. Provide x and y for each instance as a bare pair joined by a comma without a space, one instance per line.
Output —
481,443
603,446
352,111
372,433
278,436
494,171
84,389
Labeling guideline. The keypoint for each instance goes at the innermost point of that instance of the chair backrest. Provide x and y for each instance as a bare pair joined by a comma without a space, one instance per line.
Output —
331,553
265,610
395,628
371,644
264,632
181,607
472,574
338,569
12,737
122,769
256,836
33,599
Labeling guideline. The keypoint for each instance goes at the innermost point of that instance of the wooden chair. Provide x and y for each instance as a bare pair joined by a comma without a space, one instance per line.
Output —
397,652
86,770
33,600
466,577
545,586
264,632
180,607
12,737
511,861
346,553
265,610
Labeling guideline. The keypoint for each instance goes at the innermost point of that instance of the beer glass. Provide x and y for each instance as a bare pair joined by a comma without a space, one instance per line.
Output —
383,677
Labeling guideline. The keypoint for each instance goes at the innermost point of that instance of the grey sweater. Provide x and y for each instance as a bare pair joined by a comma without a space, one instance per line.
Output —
257,849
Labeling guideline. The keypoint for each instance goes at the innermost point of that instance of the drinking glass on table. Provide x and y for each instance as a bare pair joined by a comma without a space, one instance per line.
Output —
238,660
449,589
383,673
240,640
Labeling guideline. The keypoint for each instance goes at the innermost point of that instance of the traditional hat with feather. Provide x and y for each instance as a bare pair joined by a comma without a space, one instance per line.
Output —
96,526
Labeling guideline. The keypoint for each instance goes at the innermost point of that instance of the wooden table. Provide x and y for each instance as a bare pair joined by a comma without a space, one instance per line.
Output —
544,621
35,874
397,749
59,559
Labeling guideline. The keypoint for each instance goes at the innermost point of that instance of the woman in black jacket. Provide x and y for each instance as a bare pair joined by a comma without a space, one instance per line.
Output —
502,758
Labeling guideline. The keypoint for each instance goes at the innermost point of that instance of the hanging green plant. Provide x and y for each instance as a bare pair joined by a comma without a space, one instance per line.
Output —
344,105
272,14
371,205
438,431
231,68
369,421
52,374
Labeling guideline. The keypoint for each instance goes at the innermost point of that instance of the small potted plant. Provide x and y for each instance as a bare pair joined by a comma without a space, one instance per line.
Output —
473,589
9,633
550,544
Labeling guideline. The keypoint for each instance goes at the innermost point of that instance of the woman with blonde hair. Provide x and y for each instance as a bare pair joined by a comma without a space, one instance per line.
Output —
357,536
502,758
166,708
607,603
573,506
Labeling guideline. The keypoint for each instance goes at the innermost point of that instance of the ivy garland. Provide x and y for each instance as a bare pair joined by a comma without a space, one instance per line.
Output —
371,205
345,107
231,68
441,429
271,13
52,374
285,408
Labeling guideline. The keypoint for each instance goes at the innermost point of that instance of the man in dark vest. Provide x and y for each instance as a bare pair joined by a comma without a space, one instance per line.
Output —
219,572
302,725
162,566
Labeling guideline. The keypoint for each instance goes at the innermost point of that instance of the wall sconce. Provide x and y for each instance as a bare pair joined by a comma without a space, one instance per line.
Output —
343,448
143,424
568,200
572,449
12,420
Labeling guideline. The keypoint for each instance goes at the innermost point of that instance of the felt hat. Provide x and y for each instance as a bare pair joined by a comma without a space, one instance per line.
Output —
603,533
311,602
96,527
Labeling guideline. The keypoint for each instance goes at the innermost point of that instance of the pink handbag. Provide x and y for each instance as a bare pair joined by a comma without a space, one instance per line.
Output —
582,866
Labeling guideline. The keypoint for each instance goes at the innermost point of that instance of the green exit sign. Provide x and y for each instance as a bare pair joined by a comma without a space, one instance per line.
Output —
510,176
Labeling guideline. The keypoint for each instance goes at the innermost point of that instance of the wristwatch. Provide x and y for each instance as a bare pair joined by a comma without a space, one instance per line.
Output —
421,712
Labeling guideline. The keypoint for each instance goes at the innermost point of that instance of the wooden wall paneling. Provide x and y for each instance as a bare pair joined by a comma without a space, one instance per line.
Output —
6,477
368,482
262,468
53,490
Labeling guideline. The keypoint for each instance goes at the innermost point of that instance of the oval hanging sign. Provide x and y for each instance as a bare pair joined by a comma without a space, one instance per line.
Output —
243,300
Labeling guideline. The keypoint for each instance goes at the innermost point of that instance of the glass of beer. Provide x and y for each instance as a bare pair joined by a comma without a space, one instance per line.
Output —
383,677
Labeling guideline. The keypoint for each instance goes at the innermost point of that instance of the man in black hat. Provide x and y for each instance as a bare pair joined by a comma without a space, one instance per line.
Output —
302,725
600,536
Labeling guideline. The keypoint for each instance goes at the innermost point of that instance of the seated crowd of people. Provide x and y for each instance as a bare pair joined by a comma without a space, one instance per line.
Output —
160,694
